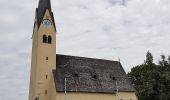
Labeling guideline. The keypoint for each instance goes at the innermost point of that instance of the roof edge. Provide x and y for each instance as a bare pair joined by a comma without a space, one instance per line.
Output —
88,58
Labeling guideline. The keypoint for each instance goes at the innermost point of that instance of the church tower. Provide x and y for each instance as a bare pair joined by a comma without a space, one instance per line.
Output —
43,52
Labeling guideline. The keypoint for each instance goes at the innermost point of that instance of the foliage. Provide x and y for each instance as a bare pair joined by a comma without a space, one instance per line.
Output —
152,81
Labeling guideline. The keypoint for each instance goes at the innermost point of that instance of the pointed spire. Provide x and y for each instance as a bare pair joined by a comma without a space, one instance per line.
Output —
44,4
42,7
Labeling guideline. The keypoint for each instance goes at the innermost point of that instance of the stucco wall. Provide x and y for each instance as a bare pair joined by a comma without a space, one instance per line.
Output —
96,96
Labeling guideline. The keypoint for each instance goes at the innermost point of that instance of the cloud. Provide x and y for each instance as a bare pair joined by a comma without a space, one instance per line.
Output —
107,29
124,32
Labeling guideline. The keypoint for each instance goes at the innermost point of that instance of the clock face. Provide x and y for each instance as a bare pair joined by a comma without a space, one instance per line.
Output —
47,23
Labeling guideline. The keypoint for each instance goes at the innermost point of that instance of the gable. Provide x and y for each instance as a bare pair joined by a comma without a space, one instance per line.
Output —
90,75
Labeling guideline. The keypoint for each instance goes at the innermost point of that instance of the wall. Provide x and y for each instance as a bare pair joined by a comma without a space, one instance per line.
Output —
96,96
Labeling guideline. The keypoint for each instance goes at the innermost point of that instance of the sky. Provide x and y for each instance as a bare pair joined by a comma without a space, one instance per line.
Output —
105,29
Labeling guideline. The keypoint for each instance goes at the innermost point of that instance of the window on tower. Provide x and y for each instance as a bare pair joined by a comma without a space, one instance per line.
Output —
49,39
37,98
44,39
46,76
45,91
46,58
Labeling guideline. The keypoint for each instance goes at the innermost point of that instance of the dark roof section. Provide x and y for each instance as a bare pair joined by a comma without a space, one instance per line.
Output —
42,7
90,75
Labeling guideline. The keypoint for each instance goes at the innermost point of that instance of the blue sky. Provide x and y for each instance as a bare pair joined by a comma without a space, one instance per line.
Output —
105,29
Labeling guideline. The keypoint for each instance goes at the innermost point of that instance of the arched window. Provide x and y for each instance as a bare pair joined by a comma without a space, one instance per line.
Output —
44,39
37,98
49,39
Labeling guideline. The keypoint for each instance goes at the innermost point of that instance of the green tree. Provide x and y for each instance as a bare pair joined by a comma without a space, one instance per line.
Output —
152,81
149,58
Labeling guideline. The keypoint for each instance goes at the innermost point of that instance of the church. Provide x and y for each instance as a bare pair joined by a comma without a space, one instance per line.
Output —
64,77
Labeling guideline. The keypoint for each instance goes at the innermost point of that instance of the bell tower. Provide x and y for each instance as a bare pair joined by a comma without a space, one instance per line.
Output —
43,52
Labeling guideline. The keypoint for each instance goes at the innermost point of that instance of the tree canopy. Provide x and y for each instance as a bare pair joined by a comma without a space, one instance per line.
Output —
152,81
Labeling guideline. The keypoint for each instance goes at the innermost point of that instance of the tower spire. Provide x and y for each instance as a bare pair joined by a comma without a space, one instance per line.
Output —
42,7
44,4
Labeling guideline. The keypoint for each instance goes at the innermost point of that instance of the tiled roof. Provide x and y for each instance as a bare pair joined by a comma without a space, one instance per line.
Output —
90,75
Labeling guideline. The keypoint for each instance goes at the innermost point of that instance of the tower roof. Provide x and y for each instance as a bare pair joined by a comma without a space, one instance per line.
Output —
42,7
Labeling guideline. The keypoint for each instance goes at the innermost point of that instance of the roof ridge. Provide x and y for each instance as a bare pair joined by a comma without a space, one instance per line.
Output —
88,58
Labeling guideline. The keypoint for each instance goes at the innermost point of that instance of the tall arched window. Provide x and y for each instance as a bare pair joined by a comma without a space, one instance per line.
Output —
37,98
44,39
49,39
